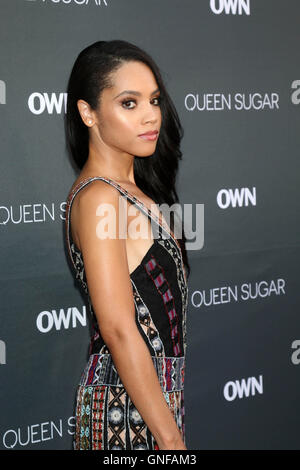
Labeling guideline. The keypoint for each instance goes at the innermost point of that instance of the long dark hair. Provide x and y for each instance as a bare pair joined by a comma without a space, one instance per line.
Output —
90,75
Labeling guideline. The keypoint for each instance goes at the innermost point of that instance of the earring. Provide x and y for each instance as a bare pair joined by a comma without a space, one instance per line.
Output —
90,121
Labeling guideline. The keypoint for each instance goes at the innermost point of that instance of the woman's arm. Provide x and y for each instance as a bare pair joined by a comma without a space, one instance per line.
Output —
111,294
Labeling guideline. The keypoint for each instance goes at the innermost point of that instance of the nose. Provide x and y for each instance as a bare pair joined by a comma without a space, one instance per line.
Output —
151,113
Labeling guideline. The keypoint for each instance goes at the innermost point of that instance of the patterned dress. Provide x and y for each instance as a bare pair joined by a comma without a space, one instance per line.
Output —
106,418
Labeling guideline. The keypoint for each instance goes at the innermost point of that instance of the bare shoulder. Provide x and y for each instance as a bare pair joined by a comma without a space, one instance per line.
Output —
97,191
86,209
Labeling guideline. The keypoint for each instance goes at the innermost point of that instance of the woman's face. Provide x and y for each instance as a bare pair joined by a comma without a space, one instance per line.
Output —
130,108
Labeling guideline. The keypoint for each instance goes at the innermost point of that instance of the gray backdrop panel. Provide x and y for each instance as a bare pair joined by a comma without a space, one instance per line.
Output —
243,358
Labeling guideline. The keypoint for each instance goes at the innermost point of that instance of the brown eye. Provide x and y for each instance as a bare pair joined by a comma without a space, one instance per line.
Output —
158,98
125,102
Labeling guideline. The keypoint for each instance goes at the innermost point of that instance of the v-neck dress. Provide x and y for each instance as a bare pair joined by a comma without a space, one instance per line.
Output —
106,417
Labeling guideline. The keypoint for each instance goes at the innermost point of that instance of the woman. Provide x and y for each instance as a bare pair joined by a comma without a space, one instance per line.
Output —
131,393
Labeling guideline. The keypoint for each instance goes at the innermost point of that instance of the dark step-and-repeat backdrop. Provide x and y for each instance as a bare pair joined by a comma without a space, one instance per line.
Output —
232,70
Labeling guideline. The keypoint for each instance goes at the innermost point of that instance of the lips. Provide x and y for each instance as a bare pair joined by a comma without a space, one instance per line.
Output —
149,133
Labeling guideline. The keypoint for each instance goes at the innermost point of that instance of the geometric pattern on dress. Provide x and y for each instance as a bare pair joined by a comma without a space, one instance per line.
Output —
79,266
122,419
183,286
172,372
137,428
156,273
147,324
83,416
100,370
116,418
99,396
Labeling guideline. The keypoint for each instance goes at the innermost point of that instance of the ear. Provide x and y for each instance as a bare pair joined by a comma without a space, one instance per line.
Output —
85,112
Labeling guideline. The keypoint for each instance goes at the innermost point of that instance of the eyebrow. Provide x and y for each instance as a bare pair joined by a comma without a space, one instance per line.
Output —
132,92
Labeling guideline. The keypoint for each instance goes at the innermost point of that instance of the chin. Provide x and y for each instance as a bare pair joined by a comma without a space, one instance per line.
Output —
146,152
144,155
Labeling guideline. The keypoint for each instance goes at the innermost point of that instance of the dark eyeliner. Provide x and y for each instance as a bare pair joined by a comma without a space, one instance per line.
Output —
125,101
